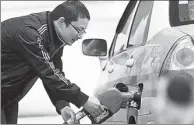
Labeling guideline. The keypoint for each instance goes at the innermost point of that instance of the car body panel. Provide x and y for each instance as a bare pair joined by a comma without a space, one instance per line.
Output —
188,29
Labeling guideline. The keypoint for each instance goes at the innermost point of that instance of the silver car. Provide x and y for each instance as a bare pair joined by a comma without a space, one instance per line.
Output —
152,51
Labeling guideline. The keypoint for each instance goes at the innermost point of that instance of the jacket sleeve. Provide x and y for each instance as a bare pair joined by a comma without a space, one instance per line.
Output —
58,64
29,44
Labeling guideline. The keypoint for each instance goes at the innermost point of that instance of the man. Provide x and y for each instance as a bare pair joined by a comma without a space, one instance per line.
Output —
32,47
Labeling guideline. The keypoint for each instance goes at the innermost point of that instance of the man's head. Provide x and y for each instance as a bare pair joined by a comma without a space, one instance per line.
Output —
70,19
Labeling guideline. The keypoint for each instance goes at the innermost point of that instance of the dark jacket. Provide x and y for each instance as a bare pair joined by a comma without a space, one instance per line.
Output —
30,49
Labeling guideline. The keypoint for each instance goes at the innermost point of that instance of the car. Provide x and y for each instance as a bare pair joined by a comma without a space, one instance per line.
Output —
152,52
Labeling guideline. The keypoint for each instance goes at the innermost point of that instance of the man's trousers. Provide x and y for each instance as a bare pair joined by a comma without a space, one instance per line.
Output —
9,113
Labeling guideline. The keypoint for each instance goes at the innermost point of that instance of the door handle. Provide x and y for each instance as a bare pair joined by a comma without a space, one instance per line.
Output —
130,62
111,68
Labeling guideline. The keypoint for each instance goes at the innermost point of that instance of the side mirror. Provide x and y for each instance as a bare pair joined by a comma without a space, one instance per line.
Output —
94,47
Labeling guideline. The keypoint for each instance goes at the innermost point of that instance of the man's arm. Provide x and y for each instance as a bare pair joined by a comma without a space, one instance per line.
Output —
60,104
29,44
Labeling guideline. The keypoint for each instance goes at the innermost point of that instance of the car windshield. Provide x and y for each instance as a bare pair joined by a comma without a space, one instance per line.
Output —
181,12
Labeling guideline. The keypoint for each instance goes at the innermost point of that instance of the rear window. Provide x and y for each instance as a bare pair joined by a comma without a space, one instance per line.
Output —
181,12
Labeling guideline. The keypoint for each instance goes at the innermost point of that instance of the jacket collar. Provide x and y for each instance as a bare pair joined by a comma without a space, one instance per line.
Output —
55,44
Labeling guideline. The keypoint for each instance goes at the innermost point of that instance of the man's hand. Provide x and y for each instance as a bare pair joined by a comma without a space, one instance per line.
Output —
67,113
93,107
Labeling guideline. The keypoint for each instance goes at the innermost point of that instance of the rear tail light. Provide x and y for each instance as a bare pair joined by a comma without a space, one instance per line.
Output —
184,53
181,56
184,57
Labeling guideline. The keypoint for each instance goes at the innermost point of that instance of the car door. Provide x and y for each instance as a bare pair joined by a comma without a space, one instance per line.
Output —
137,53
127,52
120,62
114,71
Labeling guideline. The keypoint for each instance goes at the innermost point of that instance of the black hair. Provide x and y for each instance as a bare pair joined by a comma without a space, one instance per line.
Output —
71,10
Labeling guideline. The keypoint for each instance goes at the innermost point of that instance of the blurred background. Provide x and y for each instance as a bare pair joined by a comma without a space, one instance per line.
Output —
35,107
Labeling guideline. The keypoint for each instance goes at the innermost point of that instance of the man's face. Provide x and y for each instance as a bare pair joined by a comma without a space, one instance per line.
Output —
72,32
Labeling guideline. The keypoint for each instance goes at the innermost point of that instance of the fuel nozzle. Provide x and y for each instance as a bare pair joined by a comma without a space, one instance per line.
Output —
130,98
112,99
